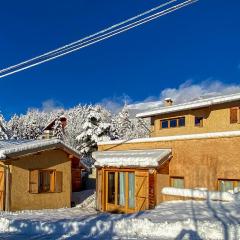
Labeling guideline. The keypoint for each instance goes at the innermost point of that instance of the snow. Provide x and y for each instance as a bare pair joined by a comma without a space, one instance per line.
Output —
84,199
192,105
169,220
176,137
131,158
200,193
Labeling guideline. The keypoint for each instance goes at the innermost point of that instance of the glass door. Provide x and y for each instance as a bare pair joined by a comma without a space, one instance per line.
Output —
120,194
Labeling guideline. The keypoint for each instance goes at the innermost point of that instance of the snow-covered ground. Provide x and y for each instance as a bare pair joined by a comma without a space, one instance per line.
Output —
170,220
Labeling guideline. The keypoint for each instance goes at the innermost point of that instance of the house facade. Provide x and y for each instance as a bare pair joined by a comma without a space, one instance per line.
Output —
36,174
201,141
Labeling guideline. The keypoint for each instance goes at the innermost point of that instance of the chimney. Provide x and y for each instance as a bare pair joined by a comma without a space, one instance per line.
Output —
168,102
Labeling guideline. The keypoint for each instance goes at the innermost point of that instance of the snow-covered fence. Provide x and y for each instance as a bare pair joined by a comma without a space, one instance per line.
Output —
200,193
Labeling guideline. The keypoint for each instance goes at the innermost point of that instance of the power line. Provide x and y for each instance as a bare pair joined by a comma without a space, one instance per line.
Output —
90,36
94,38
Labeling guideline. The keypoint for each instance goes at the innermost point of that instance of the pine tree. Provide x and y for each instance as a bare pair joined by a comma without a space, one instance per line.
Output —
95,129
123,124
58,130
3,129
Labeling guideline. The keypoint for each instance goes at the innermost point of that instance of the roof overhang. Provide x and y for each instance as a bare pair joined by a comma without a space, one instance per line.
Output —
191,105
132,158
29,148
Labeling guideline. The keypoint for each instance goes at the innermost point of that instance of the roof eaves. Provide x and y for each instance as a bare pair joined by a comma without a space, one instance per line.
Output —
191,105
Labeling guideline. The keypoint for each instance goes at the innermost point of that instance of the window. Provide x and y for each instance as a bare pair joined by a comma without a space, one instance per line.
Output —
235,115
121,188
111,187
225,185
164,124
177,182
121,184
131,190
181,122
45,181
172,123
199,121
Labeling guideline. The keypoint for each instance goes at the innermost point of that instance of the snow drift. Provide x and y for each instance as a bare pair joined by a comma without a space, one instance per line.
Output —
200,193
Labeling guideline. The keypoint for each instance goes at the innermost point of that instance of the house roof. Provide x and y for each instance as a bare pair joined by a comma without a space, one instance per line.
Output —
52,122
131,158
191,105
11,149
226,134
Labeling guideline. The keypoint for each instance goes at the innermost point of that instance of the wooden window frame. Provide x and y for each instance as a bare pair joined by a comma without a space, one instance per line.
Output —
52,174
174,118
56,181
115,204
201,121
234,181
176,177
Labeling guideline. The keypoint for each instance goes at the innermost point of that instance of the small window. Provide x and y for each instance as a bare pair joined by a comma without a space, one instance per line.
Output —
173,123
164,124
45,181
181,122
177,182
225,185
198,121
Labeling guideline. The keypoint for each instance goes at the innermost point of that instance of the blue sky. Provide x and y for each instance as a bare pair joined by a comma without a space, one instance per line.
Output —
198,42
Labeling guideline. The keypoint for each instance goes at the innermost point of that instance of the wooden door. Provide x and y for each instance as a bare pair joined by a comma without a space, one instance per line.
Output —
76,180
2,190
141,190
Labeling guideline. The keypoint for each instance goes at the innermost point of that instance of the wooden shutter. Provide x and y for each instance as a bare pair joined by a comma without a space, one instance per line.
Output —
2,190
233,115
58,182
141,190
33,181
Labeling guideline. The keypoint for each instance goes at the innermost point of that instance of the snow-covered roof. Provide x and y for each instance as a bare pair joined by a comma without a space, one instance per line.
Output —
191,105
176,138
15,148
131,158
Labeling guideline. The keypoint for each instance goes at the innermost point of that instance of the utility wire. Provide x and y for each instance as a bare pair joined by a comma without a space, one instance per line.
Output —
90,36
83,43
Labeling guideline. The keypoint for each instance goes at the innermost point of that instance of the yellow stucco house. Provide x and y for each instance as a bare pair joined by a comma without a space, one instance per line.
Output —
36,174
192,146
